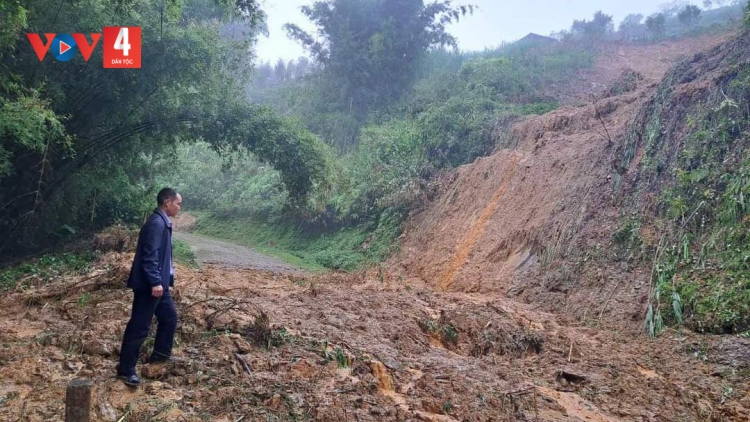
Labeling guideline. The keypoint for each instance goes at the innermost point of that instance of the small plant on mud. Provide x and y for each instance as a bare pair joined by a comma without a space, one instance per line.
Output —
327,354
447,407
727,392
261,333
446,332
84,300
341,357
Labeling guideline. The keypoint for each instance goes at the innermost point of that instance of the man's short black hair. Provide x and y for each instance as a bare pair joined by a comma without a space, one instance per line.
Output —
164,194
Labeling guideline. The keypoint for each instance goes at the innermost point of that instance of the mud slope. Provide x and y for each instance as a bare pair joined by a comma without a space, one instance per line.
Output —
502,216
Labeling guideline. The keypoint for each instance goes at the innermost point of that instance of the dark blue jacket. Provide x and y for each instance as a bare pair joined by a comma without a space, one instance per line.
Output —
153,256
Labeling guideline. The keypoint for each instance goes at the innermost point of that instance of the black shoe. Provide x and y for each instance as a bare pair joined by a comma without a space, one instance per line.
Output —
131,380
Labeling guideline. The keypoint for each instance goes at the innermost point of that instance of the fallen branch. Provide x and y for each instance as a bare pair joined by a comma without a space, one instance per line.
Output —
243,363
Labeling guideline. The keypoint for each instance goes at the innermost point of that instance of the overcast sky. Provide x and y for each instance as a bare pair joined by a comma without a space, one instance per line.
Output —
494,22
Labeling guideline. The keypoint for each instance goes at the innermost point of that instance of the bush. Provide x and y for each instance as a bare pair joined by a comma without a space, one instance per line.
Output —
45,268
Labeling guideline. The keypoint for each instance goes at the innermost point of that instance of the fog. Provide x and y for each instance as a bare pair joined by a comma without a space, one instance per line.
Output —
495,21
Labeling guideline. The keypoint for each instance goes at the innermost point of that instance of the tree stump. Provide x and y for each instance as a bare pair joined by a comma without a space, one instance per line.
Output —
78,401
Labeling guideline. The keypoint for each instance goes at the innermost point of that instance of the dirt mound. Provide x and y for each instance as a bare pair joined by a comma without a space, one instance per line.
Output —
509,211
117,238
184,222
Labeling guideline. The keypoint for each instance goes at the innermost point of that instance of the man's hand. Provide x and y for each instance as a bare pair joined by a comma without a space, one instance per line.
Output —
157,291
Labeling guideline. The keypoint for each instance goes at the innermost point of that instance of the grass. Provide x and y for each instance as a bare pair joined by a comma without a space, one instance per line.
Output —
46,268
347,249
183,254
701,266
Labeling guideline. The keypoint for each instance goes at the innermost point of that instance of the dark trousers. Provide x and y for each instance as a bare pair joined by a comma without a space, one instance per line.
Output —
145,307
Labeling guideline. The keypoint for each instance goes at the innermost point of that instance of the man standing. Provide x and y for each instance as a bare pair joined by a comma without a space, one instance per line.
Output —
150,278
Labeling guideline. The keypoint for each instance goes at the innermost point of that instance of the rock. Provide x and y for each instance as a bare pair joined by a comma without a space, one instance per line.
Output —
56,355
154,371
567,377
170,395
97,347
274,402
734,352
154,387
303,369
175,415
107,412
242,345
392,363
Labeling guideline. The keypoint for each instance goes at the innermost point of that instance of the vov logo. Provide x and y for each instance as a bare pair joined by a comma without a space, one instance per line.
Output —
122,46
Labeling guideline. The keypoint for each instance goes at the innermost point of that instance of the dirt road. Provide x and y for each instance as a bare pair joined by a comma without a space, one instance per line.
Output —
212,251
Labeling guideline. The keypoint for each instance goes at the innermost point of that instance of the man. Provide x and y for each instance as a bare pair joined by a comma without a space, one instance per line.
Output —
150,278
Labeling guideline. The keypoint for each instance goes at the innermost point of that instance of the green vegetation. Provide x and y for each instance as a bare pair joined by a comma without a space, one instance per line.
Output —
656,24
690,15
703,258
183,254
370,51
346,249
45,269
447,119
445,331
81,146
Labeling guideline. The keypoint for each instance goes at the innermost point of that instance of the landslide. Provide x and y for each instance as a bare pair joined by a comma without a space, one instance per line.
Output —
536,220
442,337
257,345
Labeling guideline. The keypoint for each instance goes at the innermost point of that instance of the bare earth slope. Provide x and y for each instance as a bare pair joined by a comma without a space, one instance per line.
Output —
500,217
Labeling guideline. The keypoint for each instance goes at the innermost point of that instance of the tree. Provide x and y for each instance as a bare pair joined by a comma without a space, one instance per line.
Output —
79,144
631,26
690,15
672,8
596,29
303,68
656,25
707,4
280,70
262,75
747,15
370,49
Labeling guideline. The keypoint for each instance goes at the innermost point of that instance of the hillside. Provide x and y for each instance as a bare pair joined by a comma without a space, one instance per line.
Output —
538,221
